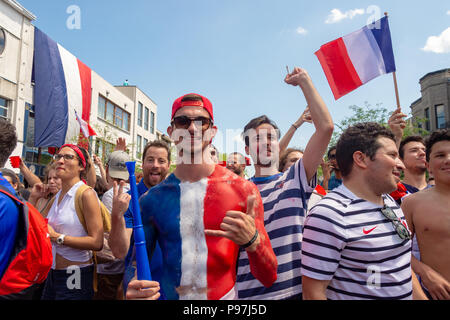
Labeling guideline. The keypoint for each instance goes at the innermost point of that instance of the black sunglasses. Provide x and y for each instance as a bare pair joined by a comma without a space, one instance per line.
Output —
58,157
184,122
401,230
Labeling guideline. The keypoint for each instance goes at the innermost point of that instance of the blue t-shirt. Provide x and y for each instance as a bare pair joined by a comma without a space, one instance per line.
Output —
156,263
9,217
334,182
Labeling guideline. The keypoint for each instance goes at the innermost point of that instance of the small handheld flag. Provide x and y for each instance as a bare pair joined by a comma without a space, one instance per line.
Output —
86,129
355,59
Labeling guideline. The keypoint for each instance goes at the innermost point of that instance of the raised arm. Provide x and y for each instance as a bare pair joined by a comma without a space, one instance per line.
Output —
321,119
29,176
284,142
397,124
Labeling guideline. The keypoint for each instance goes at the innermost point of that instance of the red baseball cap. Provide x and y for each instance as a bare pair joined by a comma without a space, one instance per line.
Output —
204,103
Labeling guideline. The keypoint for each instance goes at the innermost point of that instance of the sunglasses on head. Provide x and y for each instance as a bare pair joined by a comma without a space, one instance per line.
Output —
184,122
401,230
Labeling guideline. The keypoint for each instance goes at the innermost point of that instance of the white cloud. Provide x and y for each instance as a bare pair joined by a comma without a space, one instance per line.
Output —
448,12
337,15
439,44
301,30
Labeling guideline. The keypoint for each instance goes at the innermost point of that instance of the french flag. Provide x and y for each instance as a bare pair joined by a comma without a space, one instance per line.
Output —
355,59
62,88
85,127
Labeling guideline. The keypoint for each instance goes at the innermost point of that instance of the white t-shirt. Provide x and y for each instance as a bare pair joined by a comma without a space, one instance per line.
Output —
63,219
117,266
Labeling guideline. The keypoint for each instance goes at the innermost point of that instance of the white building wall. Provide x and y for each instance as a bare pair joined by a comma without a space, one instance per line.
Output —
105,130
16,63
138,96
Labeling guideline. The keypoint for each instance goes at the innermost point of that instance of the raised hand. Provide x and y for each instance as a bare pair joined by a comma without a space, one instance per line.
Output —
298,77
397,122
121,199
39,191
121,145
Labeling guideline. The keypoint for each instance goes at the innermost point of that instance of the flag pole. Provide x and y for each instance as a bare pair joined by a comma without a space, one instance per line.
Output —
394,75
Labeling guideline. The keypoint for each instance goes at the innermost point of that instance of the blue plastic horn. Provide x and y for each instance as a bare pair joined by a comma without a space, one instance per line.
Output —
142,262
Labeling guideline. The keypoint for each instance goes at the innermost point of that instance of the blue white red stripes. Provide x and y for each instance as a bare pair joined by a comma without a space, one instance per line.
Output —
199,266
193,242
357,58
62,86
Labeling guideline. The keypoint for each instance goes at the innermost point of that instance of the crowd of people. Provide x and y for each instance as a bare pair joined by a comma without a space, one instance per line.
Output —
375,227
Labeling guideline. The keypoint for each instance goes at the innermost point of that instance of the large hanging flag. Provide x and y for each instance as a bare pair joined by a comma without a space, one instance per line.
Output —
357,58
62,88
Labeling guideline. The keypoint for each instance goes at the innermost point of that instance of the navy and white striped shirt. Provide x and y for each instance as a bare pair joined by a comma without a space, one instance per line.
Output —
285,198
348,241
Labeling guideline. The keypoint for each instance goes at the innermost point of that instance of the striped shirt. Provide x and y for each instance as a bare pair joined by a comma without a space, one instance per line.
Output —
285,198
348,241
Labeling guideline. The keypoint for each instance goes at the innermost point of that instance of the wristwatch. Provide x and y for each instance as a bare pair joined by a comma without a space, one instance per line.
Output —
60,239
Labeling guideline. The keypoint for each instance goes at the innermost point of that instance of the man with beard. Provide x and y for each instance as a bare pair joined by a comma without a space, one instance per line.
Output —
356,243
236,163
155,167
201,215
285,195
428,215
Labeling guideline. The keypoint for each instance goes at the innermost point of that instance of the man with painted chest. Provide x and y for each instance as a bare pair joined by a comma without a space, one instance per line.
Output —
201,215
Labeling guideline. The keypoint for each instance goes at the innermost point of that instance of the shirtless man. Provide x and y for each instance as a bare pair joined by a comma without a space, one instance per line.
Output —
432,227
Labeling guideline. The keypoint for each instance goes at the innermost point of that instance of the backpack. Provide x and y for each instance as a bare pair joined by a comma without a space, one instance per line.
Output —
32,258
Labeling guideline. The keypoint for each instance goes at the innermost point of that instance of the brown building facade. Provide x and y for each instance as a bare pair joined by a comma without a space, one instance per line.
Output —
434,105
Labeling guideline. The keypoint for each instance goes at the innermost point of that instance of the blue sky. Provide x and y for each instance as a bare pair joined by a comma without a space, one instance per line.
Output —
235,52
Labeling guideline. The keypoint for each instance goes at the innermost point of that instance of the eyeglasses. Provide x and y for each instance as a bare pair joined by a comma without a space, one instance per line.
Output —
58,157
332,156
184,122
401,230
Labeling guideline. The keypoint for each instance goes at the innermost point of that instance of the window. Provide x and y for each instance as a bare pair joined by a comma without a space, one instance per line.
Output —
440,117
118,118
101,107
2,40
138,146
152,122
109,112
146,119
145,142
427,119
126,121
140,110
103,149
113,114
3,108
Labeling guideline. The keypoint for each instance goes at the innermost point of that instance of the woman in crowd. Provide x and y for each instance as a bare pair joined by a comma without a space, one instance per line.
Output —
71,277
42,195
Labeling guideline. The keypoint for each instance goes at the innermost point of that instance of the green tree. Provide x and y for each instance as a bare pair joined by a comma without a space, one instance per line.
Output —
378,114
367,113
